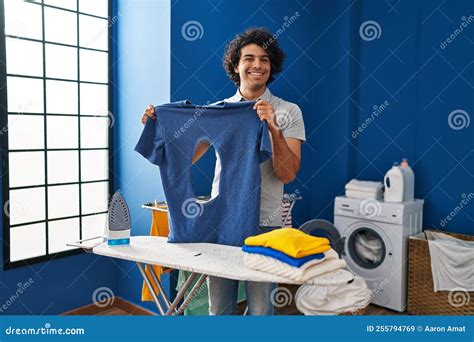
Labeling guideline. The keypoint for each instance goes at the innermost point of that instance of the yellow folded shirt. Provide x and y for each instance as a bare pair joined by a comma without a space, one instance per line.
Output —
291,241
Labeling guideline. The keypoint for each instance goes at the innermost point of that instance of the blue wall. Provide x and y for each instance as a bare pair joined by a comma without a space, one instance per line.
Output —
423,84
57,286
142,77
340,79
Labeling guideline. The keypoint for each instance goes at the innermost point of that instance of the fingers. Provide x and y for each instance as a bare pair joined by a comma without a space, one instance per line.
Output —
149,113
261,103
264,110
150,109
258,103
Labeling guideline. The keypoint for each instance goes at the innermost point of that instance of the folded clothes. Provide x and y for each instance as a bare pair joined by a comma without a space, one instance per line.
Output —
270,252
311,269
269,264
368,186
333,300
291,241
364,194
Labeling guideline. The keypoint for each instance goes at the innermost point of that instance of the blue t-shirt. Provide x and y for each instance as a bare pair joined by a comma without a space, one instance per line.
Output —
242,142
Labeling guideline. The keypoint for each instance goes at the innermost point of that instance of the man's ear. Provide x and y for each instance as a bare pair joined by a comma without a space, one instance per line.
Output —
236,69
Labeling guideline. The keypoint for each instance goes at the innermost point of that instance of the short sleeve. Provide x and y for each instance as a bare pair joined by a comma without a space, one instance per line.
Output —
265,145
151,143
293,127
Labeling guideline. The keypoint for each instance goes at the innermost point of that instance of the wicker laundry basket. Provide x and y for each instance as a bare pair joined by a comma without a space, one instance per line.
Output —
422,300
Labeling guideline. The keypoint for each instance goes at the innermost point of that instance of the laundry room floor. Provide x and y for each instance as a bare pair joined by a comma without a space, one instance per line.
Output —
120,307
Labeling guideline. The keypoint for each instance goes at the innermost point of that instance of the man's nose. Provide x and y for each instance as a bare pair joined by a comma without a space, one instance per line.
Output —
257,64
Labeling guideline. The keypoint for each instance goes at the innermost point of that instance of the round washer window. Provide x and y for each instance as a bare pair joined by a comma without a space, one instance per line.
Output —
366,248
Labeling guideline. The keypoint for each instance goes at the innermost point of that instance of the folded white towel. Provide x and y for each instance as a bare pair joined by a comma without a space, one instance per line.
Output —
364,194
368,186
452,262
309,270
322,268
333,300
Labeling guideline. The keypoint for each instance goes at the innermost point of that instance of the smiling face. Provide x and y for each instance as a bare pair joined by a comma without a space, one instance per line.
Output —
254,67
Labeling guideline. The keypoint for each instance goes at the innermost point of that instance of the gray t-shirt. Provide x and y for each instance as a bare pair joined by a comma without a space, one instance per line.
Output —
290,121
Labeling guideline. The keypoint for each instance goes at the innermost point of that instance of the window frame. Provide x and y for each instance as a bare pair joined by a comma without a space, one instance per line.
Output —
7,264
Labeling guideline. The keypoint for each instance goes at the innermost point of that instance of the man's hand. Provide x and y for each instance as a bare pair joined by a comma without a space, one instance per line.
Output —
286,151
266,112
149,113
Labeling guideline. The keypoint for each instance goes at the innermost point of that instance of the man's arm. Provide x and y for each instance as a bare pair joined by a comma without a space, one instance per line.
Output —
286,151
286,156
201,149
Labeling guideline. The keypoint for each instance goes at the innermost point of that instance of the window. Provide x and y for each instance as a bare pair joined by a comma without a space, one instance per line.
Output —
55,125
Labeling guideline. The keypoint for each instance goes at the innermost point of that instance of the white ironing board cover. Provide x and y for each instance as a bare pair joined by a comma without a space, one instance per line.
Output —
205,258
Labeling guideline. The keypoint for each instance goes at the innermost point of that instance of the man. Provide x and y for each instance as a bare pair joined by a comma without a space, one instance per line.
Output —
251,60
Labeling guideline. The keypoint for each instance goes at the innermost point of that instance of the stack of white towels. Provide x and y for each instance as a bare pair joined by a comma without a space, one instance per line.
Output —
364,189
326,271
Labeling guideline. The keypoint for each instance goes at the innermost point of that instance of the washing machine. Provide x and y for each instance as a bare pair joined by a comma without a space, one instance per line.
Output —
372,237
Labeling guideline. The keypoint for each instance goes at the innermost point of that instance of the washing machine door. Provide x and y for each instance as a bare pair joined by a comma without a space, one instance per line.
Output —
323,228
367,249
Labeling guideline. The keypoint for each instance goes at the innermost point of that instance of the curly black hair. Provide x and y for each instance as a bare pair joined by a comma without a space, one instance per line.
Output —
263,38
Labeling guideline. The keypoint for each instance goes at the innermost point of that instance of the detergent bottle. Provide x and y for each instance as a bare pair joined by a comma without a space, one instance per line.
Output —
409,181
394,184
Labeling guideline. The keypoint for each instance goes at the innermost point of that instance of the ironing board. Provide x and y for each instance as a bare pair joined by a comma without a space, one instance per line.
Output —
201,259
